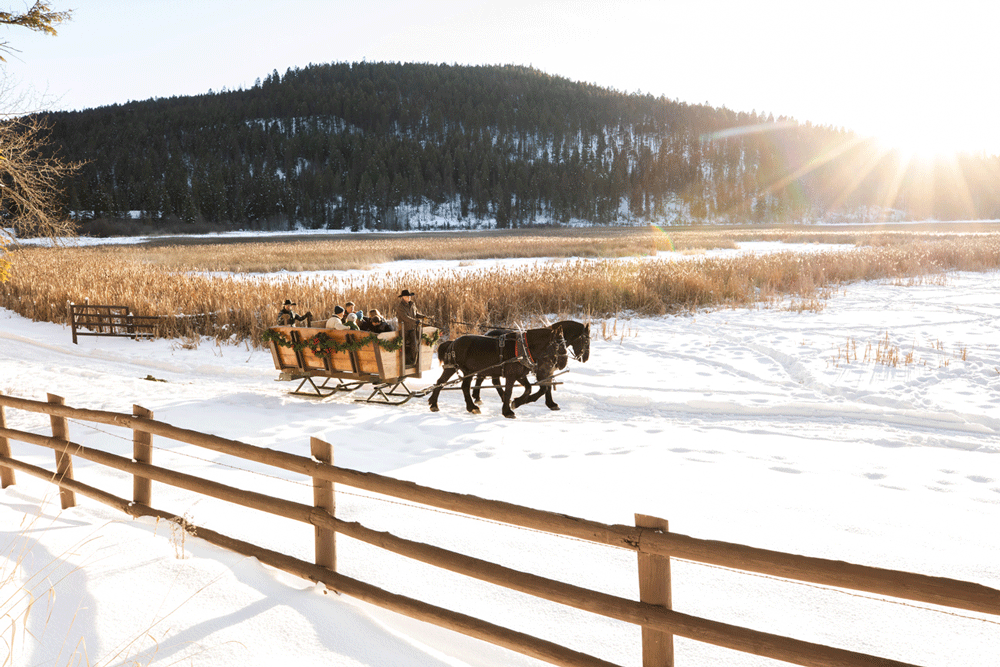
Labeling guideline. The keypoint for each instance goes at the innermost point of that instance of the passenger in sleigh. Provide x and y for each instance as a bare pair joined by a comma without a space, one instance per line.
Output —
349,309
337,321
375,323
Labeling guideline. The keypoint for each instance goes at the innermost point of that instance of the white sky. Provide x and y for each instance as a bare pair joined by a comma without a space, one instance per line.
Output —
916,73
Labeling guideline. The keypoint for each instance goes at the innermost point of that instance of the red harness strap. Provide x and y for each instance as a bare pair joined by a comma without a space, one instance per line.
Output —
521,340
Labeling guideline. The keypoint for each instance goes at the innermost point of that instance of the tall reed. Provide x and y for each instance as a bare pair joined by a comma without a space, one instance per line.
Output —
240,307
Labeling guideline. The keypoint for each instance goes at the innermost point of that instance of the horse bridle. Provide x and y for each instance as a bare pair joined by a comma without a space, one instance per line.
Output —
571,345
554,343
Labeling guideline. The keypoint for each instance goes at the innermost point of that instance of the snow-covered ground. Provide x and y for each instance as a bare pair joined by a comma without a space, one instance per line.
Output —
747,426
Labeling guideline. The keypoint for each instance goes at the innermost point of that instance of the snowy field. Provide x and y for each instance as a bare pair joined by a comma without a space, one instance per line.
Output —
746,426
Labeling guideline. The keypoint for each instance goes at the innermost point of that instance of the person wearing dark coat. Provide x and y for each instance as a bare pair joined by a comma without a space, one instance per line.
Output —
374,323
288,318
408,318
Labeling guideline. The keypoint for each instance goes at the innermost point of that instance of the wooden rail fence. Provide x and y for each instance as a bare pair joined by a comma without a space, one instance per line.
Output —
88,320
649,538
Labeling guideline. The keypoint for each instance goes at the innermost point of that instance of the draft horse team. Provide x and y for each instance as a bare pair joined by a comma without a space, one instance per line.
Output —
387,359
511,355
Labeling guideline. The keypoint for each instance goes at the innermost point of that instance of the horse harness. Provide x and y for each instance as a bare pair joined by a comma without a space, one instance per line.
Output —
448,358
522,352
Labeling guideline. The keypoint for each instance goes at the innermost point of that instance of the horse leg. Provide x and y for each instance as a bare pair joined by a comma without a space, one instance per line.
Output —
497,386
525,396
547,388
467,392
433,400
549,401
475,390
479,383
508,412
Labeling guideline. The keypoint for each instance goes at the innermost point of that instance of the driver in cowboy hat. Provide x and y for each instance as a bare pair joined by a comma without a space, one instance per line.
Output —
409,318
288,318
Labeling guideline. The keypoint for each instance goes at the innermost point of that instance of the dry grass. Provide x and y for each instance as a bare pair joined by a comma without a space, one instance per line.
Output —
28,591
884,352
165,281
361,252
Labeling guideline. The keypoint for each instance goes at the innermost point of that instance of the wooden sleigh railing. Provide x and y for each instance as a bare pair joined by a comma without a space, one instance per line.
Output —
364,361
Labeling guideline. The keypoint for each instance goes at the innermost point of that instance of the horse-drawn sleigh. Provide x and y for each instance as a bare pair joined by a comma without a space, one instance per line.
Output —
353,359
350,360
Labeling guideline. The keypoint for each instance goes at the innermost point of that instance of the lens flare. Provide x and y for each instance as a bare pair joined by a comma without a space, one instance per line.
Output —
666,237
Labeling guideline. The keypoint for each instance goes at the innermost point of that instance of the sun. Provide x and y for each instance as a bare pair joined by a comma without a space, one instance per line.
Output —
928,142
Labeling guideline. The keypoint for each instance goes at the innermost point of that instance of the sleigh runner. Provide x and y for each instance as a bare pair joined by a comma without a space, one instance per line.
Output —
328,361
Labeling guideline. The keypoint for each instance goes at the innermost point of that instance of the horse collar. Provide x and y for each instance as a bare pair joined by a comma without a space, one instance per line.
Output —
521,340
522,352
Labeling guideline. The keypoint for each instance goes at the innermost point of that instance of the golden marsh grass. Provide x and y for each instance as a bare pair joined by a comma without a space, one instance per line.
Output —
173,281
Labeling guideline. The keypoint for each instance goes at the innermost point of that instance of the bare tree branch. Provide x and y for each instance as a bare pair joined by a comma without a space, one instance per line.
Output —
31,180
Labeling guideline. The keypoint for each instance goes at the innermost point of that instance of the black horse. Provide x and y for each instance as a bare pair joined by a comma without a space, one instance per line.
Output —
511,356
577,337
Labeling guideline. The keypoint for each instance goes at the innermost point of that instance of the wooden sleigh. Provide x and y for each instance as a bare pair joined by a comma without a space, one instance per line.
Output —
344,370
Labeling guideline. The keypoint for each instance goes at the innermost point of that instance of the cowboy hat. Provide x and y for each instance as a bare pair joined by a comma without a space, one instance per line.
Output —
407,292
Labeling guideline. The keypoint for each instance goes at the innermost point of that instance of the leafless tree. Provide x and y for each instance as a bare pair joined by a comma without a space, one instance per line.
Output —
31,177
31,180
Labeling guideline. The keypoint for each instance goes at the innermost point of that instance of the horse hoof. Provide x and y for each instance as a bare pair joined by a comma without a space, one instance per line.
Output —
553,407
478,401
510,416
434,408
475,410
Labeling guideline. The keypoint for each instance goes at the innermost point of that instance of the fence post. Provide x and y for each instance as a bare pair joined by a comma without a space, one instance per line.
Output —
64,463
142,452
6,474
654,588
72,320
326,539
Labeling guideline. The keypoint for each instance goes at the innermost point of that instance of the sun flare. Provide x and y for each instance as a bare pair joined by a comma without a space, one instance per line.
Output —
929,142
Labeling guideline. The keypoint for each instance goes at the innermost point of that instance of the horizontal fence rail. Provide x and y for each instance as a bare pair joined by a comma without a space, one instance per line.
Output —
651,541
117,321
650,616
905,585
468,625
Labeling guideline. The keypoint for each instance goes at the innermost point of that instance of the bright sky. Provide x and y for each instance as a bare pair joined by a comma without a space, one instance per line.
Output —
913,72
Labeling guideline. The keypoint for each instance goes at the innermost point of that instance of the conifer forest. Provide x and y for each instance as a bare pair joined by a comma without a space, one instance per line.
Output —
390,146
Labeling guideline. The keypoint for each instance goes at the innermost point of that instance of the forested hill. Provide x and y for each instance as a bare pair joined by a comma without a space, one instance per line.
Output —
396,146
